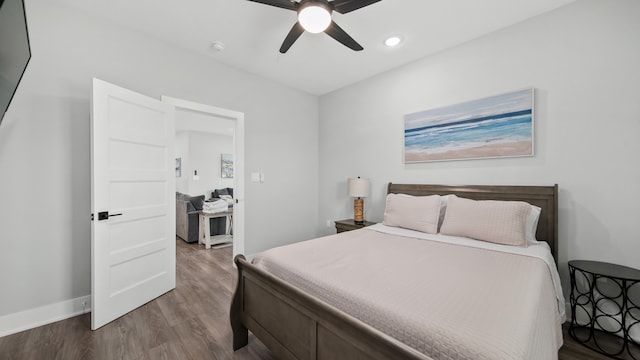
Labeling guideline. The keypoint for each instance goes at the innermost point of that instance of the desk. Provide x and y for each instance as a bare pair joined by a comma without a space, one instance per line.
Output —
607,298
204,237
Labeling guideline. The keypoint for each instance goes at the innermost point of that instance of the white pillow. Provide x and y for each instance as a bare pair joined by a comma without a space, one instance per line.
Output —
501,222
532,221
420,213
532,224
443,209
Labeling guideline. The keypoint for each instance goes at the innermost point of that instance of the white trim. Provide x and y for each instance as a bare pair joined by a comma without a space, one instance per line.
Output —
238,161
32,318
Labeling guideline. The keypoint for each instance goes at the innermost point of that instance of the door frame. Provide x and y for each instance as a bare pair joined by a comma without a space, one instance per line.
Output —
238,160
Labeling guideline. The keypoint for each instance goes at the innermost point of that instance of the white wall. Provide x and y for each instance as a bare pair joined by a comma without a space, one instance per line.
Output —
44,149
582,59
204,155
182,152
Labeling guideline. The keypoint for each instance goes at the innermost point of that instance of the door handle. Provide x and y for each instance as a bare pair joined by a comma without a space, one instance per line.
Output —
104,215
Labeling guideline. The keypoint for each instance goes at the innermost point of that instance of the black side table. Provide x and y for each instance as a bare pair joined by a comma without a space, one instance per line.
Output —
608,297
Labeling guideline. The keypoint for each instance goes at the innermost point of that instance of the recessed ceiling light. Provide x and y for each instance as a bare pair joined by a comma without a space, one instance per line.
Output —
392,41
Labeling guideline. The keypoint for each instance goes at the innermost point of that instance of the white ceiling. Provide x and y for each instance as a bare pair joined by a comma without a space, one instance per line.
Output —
253,32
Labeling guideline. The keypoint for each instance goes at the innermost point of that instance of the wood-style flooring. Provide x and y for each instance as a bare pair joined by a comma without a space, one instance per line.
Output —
190,322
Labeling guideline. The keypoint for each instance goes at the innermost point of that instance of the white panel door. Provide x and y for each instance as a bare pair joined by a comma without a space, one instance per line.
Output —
133,257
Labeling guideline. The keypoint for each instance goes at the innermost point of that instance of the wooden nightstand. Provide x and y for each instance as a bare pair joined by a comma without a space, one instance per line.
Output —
349,224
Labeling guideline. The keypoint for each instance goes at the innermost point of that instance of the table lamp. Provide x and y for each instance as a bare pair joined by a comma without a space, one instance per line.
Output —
358,188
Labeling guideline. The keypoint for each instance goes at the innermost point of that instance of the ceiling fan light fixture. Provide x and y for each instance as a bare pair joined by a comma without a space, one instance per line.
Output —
314,17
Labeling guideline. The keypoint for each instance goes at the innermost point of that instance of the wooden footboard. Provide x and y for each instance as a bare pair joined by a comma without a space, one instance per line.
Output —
295,325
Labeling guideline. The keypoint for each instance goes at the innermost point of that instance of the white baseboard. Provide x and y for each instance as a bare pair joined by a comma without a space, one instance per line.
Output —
29,319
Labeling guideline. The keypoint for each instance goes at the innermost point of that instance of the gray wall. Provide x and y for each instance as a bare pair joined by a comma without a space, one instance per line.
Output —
582,59
44,148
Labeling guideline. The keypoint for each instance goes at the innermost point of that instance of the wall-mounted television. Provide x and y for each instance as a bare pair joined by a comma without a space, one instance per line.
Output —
15,51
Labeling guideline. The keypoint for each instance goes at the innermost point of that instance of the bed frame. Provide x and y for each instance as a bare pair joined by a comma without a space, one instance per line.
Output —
296,325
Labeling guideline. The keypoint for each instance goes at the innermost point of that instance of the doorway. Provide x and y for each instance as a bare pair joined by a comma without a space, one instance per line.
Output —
231,123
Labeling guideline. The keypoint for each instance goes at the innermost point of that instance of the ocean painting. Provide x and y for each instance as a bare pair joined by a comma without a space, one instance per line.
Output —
497,126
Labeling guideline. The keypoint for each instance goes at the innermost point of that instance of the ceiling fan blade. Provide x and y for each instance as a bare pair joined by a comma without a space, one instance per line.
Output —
337,33
292,36
284,4
346,6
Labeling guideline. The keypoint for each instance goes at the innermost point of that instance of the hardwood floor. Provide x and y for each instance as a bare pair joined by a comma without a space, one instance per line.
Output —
190,322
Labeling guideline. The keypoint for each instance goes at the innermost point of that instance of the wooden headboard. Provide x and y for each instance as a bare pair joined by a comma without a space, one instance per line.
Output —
544,197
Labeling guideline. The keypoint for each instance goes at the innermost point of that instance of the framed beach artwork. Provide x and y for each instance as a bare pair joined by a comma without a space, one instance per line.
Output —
496,126
226,166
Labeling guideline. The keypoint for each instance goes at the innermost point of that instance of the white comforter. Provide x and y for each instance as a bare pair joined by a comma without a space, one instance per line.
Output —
447,300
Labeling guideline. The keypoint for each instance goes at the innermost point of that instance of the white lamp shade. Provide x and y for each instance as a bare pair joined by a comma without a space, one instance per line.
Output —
358,187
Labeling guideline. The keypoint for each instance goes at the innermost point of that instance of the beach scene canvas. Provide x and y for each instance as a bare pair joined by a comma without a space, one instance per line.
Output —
497,126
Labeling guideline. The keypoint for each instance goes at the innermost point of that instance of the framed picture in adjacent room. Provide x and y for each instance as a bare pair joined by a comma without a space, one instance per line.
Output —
226,166
492,127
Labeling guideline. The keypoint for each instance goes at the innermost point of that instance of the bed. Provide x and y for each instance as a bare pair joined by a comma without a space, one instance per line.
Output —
386,292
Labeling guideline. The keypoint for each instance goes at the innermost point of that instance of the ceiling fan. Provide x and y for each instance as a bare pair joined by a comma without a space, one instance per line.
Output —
314,16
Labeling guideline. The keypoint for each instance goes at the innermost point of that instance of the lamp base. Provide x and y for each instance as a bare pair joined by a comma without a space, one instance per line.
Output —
358,211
